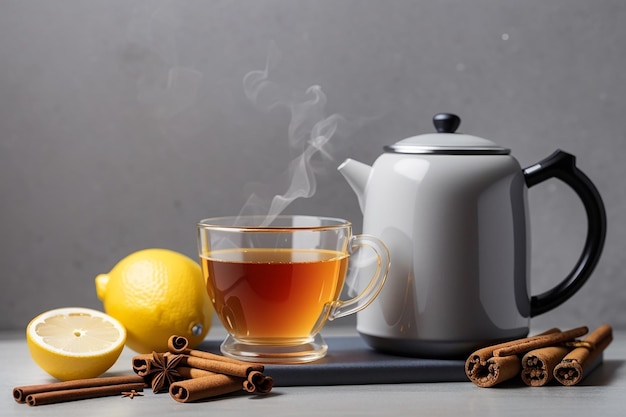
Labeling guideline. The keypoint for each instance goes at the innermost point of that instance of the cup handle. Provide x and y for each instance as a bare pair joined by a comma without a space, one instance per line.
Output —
342,308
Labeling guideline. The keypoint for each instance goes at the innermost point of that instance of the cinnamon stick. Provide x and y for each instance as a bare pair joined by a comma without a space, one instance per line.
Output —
492,371
52,397
530,343
195,389
141,364
571,370
256,382
221,367
259,383
492,365
178,345
21,393
187,372
538,365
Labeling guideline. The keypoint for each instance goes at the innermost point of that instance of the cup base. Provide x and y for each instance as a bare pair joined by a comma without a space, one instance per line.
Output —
308,351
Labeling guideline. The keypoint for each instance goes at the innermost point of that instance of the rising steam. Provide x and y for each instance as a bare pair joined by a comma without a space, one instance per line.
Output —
309,132
167,89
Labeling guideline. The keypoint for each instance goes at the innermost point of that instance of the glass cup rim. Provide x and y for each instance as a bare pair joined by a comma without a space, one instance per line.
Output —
254,223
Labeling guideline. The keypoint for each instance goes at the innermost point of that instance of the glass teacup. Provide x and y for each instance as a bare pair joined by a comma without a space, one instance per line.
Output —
275,285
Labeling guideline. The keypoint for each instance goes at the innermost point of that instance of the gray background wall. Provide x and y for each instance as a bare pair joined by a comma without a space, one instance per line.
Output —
122,123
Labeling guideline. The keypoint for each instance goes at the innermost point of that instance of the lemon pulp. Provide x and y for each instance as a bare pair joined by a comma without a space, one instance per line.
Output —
77,333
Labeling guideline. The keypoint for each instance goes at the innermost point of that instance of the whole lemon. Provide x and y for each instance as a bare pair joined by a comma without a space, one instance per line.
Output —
157,293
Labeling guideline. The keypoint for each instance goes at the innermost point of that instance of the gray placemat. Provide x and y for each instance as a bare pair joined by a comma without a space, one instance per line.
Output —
350,361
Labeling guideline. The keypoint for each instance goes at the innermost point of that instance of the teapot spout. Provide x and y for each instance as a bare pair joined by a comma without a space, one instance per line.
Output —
357,175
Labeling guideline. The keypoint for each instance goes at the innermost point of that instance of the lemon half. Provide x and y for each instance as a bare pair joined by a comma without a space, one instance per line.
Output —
75,342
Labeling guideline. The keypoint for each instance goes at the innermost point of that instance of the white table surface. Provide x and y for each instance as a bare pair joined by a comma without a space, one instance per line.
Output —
603,393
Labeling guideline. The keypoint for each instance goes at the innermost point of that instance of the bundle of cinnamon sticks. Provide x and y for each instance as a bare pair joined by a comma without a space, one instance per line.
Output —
79,389
187,374
554,354
192,375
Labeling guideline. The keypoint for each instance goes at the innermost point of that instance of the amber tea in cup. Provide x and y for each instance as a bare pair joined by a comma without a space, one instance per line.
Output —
275,285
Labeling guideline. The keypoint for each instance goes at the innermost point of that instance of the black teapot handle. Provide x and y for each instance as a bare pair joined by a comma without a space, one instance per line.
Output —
562,165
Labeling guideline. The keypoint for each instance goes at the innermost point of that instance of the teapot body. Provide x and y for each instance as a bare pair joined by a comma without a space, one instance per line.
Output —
452,209
457,230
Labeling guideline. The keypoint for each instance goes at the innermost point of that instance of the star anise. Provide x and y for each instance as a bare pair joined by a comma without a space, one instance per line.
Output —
131,394
162,369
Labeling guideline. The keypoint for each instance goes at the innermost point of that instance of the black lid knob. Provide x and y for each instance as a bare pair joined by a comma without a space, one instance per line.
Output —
446,122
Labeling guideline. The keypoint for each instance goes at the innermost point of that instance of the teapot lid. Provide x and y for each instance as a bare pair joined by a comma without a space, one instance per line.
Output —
446,141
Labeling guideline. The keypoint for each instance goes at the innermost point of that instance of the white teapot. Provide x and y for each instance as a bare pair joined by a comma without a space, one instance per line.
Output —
452,209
